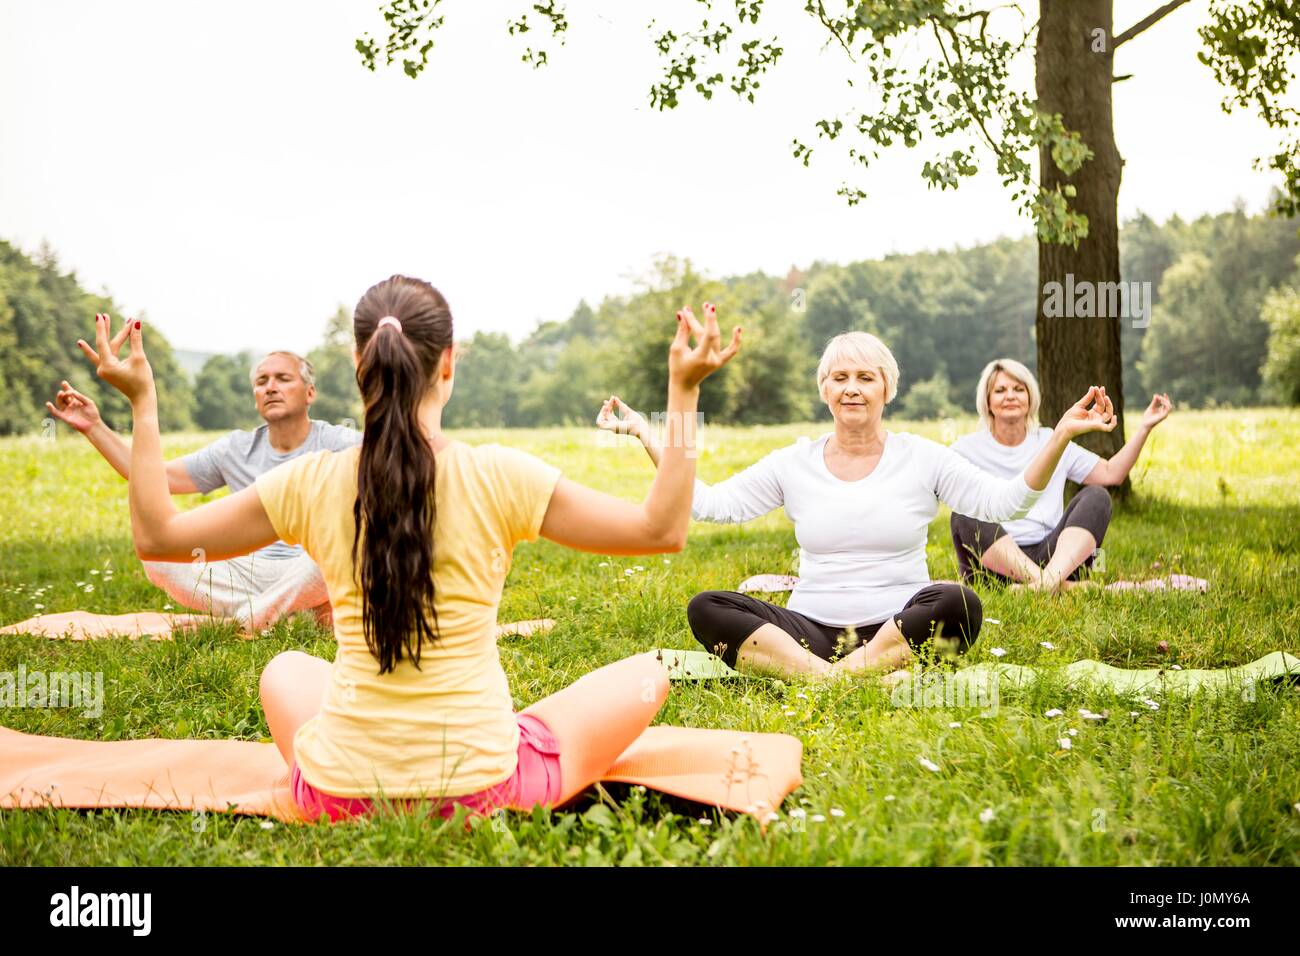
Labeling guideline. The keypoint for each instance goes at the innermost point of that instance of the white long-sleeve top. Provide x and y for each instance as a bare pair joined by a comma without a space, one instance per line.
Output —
861,543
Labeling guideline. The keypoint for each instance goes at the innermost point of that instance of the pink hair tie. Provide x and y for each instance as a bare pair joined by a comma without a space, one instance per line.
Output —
389,320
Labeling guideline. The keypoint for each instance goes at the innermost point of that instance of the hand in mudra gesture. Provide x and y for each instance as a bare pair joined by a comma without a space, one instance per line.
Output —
1157,411
632,422
1092,413
688,366
131,376
75,409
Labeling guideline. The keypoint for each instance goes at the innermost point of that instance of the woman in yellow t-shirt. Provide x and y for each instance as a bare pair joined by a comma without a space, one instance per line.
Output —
414,533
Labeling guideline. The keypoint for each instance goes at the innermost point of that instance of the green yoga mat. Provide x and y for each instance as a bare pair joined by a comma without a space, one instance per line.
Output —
699,665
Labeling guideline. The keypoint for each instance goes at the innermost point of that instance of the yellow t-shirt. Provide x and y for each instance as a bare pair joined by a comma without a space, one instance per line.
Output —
446,729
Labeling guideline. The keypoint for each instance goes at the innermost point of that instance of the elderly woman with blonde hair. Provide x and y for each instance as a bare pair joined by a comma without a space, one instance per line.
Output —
861,498
1048,548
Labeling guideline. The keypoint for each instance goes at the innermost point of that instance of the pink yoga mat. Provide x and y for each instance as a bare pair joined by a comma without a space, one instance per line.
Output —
732,770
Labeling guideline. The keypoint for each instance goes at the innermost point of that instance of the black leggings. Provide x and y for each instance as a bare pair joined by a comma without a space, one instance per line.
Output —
1089,509
723,620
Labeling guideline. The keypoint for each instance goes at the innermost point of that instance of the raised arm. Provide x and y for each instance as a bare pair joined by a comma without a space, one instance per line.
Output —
1113,470
971,491
81,413
231,526
589,520
744,496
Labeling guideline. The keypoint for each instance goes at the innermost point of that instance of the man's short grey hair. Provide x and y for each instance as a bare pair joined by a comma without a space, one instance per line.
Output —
305,368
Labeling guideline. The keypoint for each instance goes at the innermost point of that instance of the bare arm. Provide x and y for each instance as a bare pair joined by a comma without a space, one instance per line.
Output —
746,495
589,520
1113,470
1094,412
237,524
118,454
79,412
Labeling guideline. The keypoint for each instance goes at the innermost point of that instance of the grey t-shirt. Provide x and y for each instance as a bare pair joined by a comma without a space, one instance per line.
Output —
237,460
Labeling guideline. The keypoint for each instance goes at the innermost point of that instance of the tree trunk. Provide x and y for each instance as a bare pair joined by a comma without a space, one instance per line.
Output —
1074,80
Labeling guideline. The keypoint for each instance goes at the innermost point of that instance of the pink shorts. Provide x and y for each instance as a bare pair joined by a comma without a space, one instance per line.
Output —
536,780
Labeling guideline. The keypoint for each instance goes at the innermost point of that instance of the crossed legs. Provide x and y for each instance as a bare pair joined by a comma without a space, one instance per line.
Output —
1052,564
594,719
256,591
750,634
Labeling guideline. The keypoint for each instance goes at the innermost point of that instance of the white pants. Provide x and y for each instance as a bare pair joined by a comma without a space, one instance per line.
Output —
255,591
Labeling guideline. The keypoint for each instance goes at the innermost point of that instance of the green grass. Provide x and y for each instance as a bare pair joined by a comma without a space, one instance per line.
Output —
1197,782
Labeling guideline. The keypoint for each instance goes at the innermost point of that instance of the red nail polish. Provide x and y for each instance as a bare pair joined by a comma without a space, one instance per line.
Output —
137,324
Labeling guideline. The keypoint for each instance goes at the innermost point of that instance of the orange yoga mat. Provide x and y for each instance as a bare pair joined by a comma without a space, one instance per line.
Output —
157,626
732,770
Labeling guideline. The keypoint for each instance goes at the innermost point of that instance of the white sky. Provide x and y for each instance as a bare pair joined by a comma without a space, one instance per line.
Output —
232,169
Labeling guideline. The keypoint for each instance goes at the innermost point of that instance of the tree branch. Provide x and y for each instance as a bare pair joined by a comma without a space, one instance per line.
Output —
1145,22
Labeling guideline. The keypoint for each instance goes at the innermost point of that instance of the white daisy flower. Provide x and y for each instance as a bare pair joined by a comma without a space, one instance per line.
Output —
1065,743
1054,712
929,765
817,818
890,798
1151,703
1072,732
954,724
986,815
836,812
998,651
1047,644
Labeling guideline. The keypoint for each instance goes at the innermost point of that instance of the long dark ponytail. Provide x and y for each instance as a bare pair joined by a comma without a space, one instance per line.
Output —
395,508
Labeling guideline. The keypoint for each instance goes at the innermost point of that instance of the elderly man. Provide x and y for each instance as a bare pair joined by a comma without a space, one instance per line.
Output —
271,583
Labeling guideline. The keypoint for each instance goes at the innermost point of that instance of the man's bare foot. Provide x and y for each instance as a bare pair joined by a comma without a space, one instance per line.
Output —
1044,584
1085,585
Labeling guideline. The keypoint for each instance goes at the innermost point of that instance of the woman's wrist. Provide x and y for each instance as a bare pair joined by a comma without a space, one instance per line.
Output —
683,391
146,402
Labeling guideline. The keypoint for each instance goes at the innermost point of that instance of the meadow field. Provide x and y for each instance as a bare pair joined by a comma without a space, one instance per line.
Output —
1200,781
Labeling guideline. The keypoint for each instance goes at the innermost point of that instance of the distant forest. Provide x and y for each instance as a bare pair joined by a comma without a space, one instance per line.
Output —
1224,331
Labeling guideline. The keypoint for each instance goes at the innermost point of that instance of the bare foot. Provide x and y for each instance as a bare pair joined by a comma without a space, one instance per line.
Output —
1086,585
1046,584
894,678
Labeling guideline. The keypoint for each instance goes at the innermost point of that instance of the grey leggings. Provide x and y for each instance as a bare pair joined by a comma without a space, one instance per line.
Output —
1089,509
